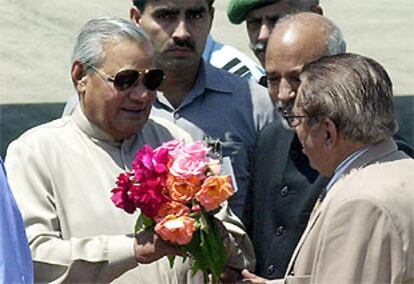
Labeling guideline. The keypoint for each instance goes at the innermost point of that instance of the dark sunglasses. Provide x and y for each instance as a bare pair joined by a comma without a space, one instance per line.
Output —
128,78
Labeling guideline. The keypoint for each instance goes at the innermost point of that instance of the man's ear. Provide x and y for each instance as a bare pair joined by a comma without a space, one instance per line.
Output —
331,133
317,9
135,15
78,75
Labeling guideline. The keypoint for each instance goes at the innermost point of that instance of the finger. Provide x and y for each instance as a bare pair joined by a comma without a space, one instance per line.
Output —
231,275
252,278
247,274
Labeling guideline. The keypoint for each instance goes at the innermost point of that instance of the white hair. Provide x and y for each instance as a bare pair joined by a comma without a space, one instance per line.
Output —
89,42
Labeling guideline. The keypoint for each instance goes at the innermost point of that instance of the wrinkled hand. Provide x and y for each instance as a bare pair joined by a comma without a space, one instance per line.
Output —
149,247
252,278
231,275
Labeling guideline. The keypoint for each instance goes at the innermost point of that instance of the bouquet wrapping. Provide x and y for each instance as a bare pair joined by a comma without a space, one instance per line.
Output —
178,188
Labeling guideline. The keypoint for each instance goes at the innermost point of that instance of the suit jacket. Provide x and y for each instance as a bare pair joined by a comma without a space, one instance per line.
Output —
363,232
281,199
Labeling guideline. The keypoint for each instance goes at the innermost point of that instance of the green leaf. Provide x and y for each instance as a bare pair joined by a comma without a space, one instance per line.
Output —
213,246
208,249
171,259
184,252
143,223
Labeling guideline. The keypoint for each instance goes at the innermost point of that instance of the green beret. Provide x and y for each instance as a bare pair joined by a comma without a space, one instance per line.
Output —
237,9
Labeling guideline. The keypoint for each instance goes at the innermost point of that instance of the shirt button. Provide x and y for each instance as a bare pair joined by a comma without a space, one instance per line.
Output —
270,269
280,230
176,115
284,191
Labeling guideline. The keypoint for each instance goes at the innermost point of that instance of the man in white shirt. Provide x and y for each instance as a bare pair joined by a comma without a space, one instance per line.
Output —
62,172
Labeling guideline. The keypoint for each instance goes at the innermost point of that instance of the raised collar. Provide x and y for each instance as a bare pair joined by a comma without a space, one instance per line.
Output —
92,130
209,48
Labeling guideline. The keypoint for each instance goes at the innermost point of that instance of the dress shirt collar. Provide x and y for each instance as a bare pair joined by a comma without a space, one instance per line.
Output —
340,169
209,78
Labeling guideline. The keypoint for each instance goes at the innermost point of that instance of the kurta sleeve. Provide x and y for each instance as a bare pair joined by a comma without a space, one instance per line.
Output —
90,259
360,244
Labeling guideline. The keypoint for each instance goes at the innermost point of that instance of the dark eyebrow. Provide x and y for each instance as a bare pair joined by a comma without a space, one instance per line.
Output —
165,10
295,71
197,10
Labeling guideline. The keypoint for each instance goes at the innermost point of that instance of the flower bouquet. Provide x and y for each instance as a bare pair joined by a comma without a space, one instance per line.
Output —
178,189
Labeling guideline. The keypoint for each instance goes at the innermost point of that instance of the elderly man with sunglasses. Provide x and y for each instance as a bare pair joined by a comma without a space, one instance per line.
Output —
210,103
62,172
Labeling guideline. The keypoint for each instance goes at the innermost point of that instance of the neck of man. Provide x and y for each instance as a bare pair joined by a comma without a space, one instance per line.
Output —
344,150
178,83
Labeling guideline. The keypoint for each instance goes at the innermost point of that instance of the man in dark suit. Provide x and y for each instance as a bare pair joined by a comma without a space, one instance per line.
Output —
285,187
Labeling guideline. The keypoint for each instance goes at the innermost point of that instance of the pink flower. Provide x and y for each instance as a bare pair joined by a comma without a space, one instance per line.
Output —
149,164
192,161
195,151
185,168
120,194
149,196
173,147
178,230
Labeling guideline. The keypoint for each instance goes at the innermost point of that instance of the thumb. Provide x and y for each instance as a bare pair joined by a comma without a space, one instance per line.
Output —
247,274
251,277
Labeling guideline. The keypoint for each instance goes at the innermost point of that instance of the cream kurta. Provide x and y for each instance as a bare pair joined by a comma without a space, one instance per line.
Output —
62,174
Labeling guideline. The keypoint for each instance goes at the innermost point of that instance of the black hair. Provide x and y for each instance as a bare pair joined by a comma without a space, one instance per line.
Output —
140,4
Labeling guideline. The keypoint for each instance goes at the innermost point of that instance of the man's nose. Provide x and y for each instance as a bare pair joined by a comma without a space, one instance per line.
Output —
181,31
264,32
140,93
286,92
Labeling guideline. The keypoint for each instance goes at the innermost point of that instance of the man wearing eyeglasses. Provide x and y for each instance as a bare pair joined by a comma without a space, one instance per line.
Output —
203,100
285,187
363,229
62,172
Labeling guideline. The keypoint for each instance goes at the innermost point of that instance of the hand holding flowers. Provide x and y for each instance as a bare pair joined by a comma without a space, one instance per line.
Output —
177,188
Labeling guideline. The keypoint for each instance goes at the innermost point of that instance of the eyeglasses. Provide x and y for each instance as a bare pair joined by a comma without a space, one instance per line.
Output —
293,120
125,79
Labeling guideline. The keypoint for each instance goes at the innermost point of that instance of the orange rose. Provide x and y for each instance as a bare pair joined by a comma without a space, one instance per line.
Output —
178,230
171,208
182,190
214,191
